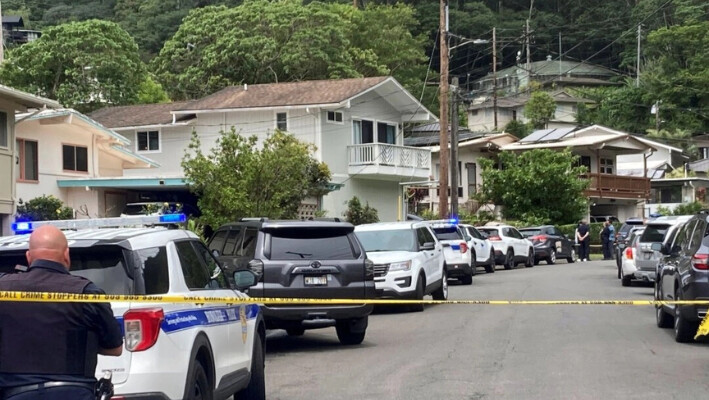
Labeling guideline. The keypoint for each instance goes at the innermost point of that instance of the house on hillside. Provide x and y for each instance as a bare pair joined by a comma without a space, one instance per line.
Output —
12,101
471,147
549,74
481,116
61,152
598,149
356,125
14,33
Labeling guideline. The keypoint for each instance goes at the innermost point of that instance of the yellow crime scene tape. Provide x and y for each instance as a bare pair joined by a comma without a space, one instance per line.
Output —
107,298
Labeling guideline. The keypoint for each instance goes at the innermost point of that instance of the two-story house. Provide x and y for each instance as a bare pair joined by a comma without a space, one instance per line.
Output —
598,149
356,125
62,152
11,102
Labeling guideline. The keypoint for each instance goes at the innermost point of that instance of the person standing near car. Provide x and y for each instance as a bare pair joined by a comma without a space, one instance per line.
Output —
605,241
49,350
582,234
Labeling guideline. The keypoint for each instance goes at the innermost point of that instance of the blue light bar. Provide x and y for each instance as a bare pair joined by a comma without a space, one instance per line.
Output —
173,218
22,227
453,221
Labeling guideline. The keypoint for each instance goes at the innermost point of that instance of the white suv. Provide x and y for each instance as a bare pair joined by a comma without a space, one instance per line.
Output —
511,248
408,260
457,253
482,248
174,351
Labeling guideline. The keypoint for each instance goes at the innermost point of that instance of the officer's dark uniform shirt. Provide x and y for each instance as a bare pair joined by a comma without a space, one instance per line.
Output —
98,318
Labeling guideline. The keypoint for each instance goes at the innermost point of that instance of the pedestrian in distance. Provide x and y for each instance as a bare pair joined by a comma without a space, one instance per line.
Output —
605,241
584,240
49,350
611,240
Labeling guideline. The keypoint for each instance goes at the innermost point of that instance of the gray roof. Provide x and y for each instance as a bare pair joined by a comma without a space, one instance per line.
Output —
13,19
433,139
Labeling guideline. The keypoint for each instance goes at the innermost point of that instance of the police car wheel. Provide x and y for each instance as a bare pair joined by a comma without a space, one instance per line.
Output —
199,387
257,385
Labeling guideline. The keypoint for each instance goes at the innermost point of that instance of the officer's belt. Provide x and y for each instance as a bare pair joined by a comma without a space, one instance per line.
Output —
14,391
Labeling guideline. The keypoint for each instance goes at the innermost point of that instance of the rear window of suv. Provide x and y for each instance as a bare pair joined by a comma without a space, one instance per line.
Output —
317,244
654,233
447,233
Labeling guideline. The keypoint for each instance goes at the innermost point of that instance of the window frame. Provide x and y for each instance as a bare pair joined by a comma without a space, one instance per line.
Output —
375,131
148,132
5,130
75,146
20,143
335,114
606,166
276,114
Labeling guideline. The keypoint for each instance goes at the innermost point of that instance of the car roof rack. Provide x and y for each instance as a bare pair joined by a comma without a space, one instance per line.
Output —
327,219
257,219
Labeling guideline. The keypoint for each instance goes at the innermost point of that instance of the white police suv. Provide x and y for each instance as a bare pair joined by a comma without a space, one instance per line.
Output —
174,350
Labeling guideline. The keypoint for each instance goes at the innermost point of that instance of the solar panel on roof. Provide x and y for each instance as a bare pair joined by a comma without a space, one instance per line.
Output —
557,134
535,136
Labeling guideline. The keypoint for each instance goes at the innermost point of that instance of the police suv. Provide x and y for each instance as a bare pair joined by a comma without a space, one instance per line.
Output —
180,350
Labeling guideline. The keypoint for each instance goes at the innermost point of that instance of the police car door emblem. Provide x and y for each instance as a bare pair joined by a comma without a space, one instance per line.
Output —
242,318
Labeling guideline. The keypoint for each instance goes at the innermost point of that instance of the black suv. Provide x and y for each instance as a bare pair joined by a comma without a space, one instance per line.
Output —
683,274
302,259
549,243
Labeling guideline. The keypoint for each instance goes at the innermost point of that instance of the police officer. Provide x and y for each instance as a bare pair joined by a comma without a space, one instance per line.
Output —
48,351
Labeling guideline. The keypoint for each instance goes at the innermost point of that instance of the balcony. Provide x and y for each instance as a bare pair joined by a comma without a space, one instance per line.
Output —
617,187
389,162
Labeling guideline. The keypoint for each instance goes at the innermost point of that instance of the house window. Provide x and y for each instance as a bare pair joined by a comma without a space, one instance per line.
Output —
606,166
514,115
4,131
149,141
363,131
75,158
282,121
386,133
473,113
334,116
472,178
585,161
27,150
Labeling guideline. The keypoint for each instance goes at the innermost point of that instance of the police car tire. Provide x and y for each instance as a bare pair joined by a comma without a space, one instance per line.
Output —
257,385
199,387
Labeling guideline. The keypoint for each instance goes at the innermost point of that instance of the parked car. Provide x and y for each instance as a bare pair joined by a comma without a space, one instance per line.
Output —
683,274
629,256
458,254
657,230
511,248
621,237
408,260
549,244
302,259
603,218
158,208
484,251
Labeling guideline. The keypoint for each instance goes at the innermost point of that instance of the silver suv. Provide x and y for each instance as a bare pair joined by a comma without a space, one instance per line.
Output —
659,230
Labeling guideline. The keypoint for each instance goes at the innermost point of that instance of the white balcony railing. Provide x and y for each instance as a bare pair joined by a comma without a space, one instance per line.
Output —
389,155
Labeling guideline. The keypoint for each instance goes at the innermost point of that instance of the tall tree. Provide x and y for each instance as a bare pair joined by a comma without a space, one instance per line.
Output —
83,65
540,109
528,180
240,179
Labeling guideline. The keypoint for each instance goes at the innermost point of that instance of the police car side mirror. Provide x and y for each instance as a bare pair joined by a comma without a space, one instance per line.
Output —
244,279
428,246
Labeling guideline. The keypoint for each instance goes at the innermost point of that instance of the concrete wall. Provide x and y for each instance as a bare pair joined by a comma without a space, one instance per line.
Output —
7,169
382,195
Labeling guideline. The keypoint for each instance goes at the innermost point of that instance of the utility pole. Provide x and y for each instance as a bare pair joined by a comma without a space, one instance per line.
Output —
637,68
494,76
528,67
443,120
2,39
560,54
454,148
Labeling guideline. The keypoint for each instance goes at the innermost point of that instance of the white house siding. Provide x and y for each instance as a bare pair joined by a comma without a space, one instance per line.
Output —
382,195
109,165
173,142
7,170
465,156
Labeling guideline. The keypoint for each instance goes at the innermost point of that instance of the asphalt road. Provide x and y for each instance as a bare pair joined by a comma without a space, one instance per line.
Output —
500,352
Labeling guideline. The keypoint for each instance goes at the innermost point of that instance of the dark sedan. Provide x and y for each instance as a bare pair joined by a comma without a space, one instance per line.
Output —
549,244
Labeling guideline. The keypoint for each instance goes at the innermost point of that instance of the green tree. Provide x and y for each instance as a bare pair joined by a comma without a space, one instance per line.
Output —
151,92
527,182
357,215
83,65
517,128
623,108
240,179
44,208
540,109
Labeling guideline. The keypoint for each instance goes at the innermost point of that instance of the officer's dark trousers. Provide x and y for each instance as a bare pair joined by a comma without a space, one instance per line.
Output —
55,393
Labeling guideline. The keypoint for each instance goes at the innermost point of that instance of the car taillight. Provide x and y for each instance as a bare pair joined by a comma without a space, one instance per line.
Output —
142,327
539,238
494,238
700,261
368,269
463,247
629,253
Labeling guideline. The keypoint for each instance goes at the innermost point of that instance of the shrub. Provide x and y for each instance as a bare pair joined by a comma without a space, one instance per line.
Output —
357,215
45,208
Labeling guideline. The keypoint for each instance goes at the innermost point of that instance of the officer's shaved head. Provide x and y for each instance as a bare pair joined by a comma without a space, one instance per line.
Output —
49,243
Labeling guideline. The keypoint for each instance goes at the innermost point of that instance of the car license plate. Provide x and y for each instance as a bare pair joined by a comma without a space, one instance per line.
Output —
316,280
